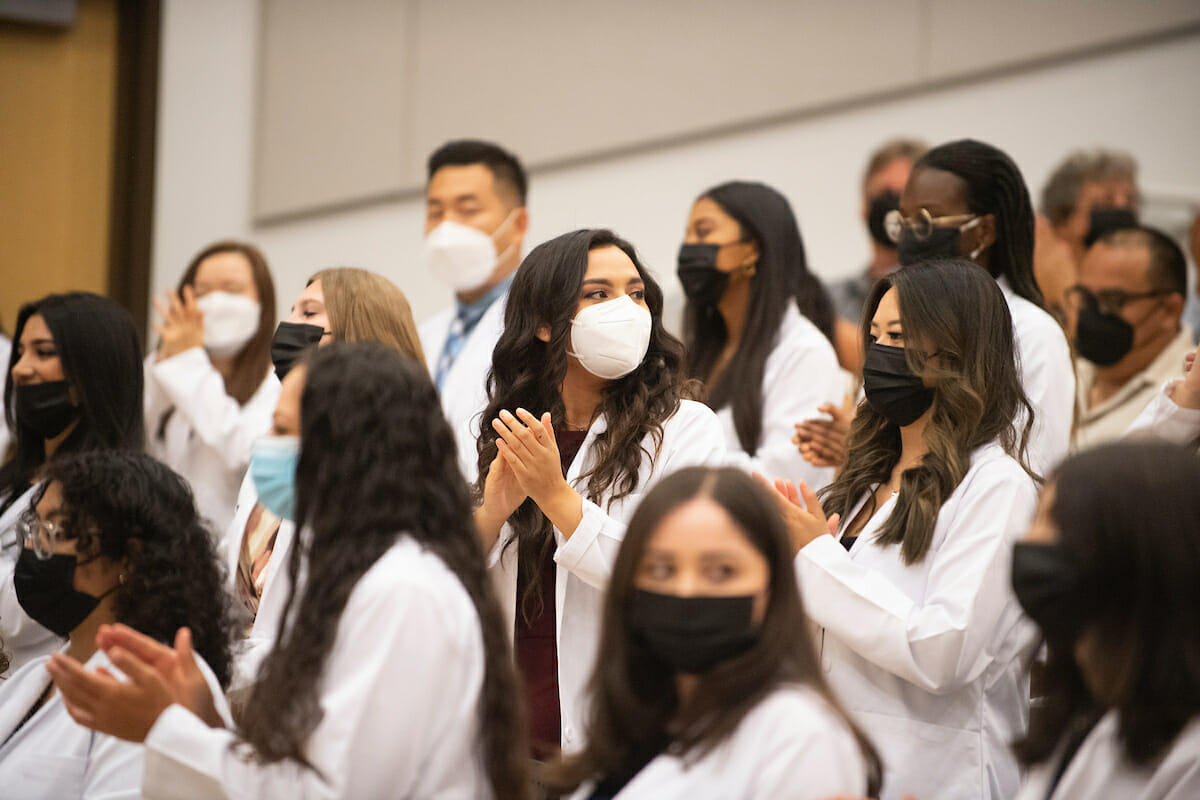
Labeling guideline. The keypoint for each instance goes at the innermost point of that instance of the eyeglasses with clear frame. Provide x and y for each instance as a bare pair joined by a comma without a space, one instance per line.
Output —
1107,301
38,535
923,225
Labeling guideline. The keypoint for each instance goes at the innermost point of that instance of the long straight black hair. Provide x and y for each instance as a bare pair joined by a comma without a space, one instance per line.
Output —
781,277
634,703
377,463
1126,514
995,186
101,357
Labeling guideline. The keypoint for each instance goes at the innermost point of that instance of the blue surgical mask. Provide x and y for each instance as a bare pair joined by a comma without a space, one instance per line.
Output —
273,470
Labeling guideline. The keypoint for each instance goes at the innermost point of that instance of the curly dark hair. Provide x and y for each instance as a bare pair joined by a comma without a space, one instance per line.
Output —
528,373
101,357
127,505
377,463
635,706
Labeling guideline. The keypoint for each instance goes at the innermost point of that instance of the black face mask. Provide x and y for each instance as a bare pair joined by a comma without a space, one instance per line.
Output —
290,342
46,590
942,243
46,408
1103,339
891,387
693,634
703,283
1049,587
881,204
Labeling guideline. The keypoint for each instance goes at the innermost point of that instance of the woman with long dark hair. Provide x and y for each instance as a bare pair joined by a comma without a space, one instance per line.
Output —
341,304
111,537
585,413
967,199
758,326
924,641
1110,572
392,675
74,384
706,682
209,384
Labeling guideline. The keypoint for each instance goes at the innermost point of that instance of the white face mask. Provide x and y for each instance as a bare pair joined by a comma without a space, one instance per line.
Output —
610,338
230,321
460,256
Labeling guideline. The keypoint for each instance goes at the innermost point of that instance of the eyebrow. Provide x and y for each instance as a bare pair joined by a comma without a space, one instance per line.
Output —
607,282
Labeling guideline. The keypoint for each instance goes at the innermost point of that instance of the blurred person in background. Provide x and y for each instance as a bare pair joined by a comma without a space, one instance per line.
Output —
209,384
475,225
758,326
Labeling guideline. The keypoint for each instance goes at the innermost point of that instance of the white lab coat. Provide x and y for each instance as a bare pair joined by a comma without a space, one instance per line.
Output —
400,690
584,561
1163,418
932,659
1048,377
464,389
800,374
208,437
23,639
250,652
1100,771
52,756
790,746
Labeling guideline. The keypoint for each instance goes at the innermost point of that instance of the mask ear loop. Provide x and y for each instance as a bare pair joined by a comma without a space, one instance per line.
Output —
974,254
502,255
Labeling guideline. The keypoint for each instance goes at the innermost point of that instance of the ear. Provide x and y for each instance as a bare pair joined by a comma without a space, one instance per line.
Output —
543,333
985,231
520,223
1174,307
752,250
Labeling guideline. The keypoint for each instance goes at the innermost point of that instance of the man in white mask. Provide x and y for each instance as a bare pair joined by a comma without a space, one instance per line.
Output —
475,224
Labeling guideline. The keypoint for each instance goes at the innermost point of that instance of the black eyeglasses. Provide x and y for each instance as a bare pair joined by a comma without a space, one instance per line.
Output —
1108,301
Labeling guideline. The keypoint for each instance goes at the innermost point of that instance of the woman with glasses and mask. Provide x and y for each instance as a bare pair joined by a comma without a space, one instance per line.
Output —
392,676
585,413
1110,572
921,636
74,384
111,537
341,304
209,386
706,682
967,199
758,326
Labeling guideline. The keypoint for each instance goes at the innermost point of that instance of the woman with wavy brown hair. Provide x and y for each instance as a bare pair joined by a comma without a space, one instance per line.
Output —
923,638
585,412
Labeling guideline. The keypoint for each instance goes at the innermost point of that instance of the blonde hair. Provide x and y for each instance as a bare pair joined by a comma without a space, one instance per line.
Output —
366,307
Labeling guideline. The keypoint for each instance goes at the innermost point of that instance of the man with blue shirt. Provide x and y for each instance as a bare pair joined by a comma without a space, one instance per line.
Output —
475,224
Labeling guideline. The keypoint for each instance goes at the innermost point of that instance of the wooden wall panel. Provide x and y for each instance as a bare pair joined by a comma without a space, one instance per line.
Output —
57,91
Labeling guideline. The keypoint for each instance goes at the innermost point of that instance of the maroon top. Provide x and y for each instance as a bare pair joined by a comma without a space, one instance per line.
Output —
536,644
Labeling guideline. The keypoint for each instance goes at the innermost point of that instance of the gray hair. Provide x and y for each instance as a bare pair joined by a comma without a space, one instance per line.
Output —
1061,192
